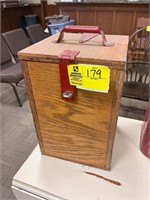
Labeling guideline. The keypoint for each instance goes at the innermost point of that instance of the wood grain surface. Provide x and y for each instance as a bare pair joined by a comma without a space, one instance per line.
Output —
77,131
90,52
82,131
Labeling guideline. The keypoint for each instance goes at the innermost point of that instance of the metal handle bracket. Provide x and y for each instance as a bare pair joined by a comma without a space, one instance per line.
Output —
68,92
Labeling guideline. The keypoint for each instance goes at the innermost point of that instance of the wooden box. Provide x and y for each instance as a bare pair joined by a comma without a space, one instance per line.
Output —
82,130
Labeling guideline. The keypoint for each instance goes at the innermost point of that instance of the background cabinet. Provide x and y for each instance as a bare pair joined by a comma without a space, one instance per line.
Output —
113,18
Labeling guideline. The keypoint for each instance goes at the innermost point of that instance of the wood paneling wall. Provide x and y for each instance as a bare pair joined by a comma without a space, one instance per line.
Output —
10,16
117,19
112,18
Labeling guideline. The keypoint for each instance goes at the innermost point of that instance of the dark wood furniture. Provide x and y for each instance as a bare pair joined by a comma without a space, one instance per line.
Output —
136,85
114,18
11,15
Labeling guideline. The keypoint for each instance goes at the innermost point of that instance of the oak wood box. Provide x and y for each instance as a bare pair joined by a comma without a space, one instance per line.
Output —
83,130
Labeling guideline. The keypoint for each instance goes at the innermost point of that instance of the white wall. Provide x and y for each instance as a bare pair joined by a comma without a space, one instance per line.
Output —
31,1
52,1
39,1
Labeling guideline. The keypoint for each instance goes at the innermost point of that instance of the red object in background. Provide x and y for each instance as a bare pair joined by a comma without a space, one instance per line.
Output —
145,134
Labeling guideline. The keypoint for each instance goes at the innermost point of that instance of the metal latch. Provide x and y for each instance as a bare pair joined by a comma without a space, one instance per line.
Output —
68,92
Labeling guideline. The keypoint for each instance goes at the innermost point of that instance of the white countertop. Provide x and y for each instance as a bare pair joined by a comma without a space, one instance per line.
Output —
53,178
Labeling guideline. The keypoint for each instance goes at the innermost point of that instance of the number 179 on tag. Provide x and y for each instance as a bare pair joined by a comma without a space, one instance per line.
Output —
89,77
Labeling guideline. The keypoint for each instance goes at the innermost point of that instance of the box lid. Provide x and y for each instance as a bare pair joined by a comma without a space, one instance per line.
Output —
92,51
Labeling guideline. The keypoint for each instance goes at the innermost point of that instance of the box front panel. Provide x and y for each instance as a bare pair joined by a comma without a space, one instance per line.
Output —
76,131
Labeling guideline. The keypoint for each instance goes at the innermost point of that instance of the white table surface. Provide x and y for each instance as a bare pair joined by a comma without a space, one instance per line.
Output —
53,178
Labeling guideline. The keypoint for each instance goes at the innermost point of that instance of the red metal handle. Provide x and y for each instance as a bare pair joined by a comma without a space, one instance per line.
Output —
93,30
81,29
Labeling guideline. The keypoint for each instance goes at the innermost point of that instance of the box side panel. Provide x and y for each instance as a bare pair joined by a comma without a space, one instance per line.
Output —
76,131
32,102
117,92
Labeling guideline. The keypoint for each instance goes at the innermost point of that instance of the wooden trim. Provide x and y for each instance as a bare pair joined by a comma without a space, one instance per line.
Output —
43,14
35,5
120,12
114,115
32,103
